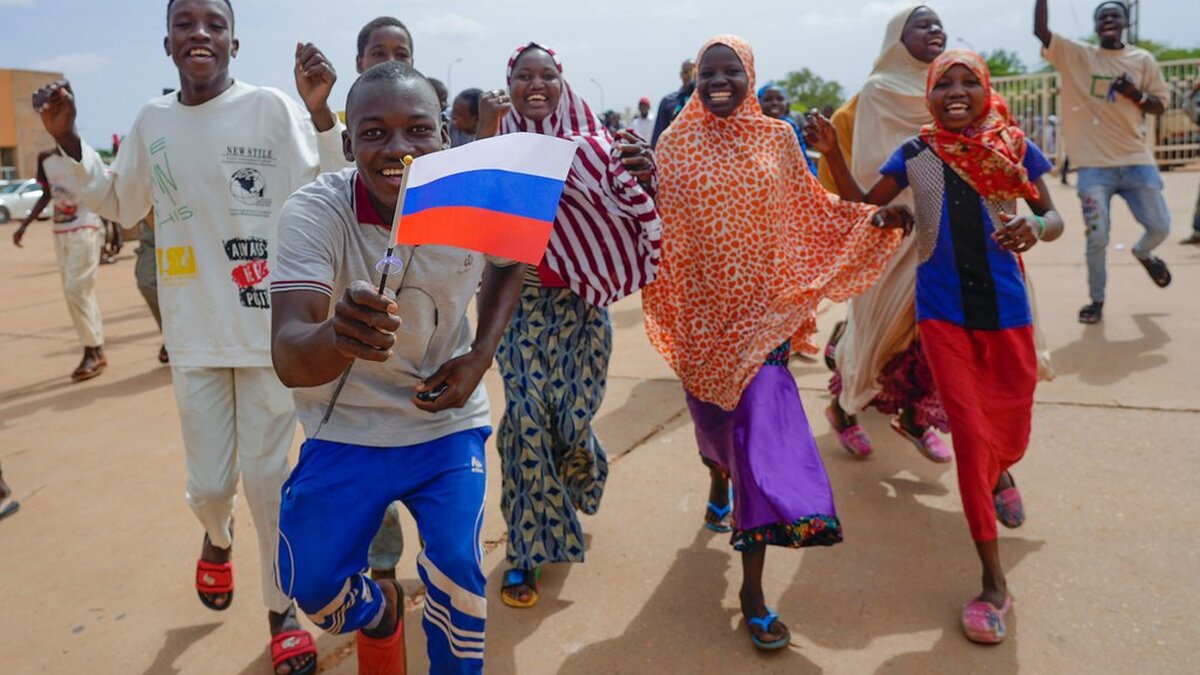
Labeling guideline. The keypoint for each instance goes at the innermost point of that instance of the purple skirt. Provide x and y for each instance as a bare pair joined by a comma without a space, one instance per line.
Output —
781,493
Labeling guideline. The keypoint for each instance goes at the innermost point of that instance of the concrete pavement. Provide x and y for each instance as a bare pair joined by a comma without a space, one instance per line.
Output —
96,570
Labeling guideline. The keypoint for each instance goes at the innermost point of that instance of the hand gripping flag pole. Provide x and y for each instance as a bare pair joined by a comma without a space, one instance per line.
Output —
388,265
498,197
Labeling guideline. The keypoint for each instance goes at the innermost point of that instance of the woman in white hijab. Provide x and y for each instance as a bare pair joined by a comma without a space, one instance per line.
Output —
879,361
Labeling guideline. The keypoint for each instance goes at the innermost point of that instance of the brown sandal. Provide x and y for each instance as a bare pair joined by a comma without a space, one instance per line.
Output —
96,368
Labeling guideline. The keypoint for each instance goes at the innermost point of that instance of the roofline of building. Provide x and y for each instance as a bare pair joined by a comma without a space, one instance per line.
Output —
26,70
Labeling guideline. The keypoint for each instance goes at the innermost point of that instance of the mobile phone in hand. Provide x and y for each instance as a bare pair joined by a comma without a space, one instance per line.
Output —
433,394
40,98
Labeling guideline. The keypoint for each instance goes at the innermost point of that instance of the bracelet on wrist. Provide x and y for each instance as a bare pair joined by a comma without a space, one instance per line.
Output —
1041,227
1143,98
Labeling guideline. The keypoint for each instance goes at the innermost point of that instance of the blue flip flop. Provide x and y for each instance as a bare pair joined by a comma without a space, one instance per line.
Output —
721,512
763,623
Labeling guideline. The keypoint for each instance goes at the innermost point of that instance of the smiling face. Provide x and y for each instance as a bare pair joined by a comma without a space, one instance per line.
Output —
386,120
774,103
386,43
958,98
200,41
1110,25
721,81
536,84
923,35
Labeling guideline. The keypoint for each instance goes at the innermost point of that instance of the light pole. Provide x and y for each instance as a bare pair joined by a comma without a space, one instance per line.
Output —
601,88
449,71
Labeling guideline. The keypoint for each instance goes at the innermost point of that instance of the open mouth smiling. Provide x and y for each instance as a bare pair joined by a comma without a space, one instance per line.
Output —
200,53
957,109
393,174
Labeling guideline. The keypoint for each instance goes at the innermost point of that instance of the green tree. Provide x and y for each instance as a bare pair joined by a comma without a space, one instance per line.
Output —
1165,52
808,91
1002,62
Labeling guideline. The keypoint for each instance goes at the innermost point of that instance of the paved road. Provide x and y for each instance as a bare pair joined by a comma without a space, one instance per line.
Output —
96,570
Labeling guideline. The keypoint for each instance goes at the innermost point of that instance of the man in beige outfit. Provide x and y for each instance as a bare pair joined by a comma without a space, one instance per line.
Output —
78,238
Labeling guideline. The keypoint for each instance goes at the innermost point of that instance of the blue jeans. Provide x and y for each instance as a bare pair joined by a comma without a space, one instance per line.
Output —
1141,186
332,505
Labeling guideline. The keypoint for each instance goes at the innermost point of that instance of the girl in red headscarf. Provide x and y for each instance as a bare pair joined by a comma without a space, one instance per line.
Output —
967,170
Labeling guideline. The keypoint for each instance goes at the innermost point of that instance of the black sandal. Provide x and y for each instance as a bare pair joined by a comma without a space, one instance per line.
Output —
1092,313
1157,269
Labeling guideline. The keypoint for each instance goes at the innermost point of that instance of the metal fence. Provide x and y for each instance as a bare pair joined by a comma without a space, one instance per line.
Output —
1034,101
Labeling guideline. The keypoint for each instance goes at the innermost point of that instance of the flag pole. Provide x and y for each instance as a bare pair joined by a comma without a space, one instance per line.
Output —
384,266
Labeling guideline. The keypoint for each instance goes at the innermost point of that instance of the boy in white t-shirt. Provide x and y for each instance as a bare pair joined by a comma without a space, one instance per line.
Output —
217,160
78,238
1107,90
412,418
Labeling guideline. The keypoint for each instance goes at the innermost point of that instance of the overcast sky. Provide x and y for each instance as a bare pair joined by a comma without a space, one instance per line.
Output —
112,49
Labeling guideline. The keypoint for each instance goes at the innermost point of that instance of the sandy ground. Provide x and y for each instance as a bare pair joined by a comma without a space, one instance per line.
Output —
96,570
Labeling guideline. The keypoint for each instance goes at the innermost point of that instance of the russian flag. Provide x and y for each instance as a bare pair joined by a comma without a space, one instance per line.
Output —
497,196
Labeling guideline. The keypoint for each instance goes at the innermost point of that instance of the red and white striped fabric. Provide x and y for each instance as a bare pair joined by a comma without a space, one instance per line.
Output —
605,242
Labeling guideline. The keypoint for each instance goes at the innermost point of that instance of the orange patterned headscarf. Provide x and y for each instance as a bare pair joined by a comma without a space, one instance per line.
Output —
989,153
751,244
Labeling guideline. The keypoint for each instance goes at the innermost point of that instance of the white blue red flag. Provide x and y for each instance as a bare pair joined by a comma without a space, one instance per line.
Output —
497,196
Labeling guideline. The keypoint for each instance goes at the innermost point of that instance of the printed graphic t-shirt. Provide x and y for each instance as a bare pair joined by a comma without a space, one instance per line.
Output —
330,236
68,214
1100,133
217,175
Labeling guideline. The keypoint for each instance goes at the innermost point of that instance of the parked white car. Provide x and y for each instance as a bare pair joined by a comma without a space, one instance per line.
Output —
17,200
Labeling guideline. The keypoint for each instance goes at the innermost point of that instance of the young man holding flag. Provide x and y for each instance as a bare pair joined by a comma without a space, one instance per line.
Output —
412,418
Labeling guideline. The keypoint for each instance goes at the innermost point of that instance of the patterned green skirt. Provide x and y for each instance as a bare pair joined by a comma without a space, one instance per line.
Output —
554,360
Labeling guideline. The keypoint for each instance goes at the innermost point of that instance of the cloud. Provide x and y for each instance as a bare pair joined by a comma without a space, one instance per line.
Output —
848,18
454,27
74,64
675,10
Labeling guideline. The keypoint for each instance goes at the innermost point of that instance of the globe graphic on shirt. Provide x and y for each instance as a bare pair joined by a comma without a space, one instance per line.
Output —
248,186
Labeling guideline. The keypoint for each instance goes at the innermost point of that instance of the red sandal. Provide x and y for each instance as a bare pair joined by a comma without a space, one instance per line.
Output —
290,644
214,579
385,656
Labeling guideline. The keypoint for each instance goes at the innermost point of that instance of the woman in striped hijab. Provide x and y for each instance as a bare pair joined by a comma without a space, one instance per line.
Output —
554,356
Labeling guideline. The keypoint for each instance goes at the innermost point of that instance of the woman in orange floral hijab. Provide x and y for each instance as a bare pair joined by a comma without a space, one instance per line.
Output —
751,243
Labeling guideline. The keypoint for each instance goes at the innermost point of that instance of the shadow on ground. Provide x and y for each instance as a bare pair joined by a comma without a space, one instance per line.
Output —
1099,361
175,642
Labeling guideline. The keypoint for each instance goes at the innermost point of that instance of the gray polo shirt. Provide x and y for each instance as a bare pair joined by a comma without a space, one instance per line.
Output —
330,236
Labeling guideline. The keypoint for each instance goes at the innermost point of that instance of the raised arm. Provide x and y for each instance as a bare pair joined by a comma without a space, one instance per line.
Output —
493,106
122,193
315,78
458,377
1041,22
55,103
821,135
